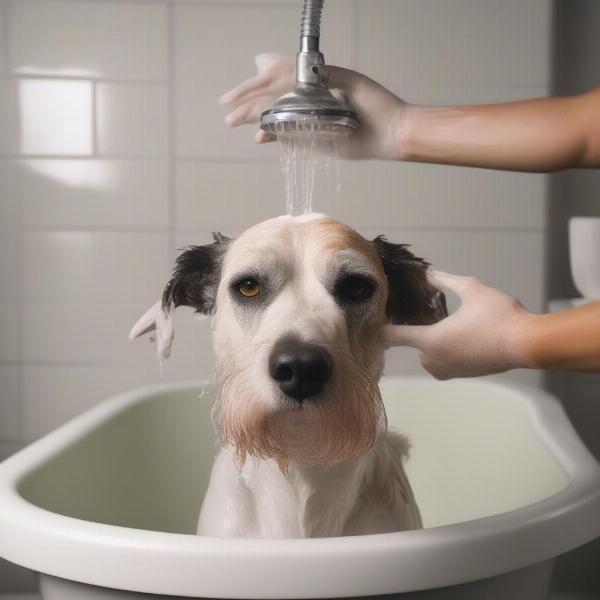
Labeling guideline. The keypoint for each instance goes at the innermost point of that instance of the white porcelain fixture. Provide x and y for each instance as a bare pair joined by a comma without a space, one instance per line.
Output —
584,245
109,502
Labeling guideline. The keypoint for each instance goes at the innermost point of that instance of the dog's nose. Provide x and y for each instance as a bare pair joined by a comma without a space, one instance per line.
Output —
300,369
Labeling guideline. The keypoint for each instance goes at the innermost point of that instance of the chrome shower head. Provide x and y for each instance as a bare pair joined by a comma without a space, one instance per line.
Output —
311,106
307,108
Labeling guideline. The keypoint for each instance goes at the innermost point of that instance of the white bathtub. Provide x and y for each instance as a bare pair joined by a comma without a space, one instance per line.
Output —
109,502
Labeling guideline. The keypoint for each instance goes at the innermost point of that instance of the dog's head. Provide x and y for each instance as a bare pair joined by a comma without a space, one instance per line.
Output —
298,304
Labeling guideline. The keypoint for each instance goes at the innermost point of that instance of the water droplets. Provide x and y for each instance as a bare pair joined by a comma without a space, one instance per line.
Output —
306,148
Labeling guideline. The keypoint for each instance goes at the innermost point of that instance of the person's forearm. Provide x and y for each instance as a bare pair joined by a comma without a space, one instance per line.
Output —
567,340
540,135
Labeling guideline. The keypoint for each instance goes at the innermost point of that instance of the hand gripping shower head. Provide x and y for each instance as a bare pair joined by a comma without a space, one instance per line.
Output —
311,106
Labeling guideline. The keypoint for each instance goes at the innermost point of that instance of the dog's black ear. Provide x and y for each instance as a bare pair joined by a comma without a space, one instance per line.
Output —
196,276
412,300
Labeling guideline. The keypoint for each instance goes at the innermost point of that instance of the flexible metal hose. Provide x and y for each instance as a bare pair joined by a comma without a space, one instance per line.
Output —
311,103
310,28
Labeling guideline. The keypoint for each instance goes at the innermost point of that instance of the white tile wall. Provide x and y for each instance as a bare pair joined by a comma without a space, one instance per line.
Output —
9,116
384,194
9,326
9,195
9,407
132,119
245,193
83,333
86,241
462,41
2,36
53,394
117,40
93,266
9,244
407,195
432,93
94,193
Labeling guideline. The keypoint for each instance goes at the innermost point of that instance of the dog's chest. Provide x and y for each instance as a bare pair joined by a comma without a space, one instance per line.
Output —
368,495
303,502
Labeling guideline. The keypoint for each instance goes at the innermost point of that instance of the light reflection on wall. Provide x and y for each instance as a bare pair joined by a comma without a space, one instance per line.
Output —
89,174
56,117
55,72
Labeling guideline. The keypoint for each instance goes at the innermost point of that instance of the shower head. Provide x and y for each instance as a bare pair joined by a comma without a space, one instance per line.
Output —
311,106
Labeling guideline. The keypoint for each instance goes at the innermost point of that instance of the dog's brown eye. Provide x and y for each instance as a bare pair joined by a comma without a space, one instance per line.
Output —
249,288
355,288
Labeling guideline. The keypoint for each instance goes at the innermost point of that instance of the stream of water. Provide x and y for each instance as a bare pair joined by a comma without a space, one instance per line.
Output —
307,151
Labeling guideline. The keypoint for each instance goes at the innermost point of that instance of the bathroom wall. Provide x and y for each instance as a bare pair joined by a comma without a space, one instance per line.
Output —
576,55
114,154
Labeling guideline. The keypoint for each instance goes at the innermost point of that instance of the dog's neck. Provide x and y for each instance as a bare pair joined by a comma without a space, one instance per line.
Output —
368,494
307,500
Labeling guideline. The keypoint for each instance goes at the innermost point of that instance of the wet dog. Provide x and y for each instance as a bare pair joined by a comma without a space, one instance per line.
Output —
297,307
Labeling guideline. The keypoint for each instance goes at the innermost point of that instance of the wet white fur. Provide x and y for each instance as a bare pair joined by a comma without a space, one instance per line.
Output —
312,501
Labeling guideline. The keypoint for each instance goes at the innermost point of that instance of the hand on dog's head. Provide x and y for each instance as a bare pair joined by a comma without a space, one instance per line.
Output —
298,304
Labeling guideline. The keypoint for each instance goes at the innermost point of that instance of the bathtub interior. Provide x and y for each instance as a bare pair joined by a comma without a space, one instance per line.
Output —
476,453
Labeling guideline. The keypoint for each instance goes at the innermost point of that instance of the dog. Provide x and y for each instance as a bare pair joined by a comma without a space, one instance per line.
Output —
297,307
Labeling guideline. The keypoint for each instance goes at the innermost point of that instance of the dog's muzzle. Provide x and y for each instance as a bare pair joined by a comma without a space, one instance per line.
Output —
300,369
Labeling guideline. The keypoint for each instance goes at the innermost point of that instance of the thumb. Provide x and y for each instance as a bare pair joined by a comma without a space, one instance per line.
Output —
404,335
339,78
465,287
339,94
262,137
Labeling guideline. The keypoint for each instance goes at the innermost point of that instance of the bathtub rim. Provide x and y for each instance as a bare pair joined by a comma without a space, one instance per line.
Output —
188,565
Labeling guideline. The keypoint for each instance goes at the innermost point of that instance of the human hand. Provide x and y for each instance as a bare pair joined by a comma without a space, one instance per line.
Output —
380,113
486,335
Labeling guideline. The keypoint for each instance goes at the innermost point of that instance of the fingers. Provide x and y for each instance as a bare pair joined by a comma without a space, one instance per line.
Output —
265,60
237,94
436,371
249,112
339,94
262,137
404,335
275,75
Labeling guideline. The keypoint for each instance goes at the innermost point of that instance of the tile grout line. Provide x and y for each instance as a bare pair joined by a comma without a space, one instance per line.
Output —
67,157
20,299
117,2
144,229
137,157
87,228
94,100
10,75
354,27
236,3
